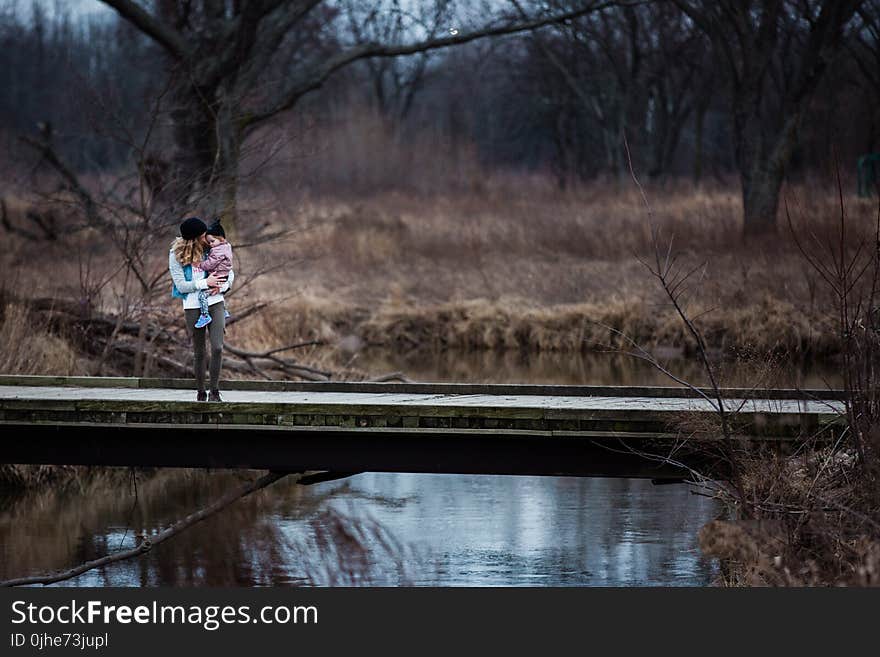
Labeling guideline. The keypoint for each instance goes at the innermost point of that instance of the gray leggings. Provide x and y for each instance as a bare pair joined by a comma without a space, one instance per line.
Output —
215,330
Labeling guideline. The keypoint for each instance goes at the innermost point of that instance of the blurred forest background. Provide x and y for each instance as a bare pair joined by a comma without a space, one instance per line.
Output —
427,174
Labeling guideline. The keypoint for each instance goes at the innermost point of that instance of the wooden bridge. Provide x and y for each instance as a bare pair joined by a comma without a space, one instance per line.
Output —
344,428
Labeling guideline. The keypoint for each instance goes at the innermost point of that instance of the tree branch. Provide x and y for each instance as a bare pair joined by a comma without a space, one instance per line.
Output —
44,147
161,33
273,31
318,75
148,543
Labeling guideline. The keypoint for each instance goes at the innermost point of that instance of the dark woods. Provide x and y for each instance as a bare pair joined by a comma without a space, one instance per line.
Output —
759,90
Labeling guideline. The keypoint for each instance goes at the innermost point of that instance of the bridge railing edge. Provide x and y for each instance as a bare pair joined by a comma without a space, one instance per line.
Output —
416,388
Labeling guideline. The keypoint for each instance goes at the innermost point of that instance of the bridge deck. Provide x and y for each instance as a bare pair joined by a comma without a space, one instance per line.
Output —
392,399
381,427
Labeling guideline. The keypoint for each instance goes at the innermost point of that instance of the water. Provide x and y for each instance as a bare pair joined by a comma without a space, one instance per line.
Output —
446,530
391,529
593,369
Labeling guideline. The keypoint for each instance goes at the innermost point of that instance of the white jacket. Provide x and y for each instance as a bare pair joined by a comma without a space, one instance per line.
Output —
198,282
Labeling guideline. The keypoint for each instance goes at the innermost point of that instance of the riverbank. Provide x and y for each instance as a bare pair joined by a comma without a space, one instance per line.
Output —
533,269
520,265
505,267
770,325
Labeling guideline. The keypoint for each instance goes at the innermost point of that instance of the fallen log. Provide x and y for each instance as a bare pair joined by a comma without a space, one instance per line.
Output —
163,342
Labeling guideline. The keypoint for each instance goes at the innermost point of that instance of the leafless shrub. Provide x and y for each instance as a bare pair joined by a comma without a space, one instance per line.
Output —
28,346
816,512
805,514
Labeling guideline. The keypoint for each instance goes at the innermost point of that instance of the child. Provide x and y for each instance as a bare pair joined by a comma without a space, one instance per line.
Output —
218,262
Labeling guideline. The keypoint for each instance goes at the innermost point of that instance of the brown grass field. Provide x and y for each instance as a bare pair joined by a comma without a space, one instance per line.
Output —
525,267
409,243
513,264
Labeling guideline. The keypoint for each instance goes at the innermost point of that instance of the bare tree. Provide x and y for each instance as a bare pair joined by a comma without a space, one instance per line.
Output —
600,60
238,64
394,82
635,70
864,49
678,79
769,46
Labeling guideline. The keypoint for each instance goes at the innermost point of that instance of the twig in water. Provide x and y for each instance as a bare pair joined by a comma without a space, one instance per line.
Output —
148,543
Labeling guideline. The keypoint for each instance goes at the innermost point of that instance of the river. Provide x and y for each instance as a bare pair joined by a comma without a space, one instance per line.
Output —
384,529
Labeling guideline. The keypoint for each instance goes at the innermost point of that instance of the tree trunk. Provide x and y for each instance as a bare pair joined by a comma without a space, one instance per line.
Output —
222,188
192,133
762,172
760,203
207,138
699,128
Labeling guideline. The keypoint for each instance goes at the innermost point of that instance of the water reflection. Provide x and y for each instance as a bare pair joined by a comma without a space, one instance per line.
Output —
591,369
378,529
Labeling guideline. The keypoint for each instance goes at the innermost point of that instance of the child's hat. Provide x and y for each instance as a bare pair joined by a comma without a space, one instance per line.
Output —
216,229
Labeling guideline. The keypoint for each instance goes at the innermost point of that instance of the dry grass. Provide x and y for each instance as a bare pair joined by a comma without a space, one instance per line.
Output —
797,514
811,524
27,345
532,268
408,239
511,263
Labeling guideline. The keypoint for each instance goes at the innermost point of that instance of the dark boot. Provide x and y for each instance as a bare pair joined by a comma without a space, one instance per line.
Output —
201,395
214,396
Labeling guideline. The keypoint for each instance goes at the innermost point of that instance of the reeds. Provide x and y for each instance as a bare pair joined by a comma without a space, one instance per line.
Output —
28,346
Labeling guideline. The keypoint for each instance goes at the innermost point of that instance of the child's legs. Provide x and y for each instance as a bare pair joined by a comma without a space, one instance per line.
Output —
215,333
203,302
198,340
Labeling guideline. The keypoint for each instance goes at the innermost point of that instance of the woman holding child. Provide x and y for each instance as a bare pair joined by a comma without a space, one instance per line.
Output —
200,264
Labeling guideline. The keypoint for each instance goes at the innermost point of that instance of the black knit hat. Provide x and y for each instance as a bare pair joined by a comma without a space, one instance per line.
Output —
193,227
216,229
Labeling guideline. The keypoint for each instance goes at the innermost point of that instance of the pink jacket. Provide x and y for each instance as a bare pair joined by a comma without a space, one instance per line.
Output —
219,260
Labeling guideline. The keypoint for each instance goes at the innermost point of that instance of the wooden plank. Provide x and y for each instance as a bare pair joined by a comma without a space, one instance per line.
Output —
363,432
416,388
233,412
361,400
102,412
67,381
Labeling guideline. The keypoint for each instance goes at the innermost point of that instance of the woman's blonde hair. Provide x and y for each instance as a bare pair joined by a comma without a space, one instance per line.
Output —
187,252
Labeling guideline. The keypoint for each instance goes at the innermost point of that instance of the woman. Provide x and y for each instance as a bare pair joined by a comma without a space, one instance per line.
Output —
186,251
